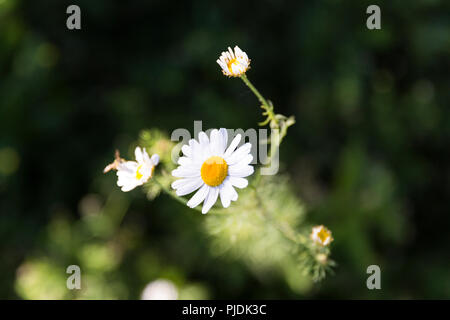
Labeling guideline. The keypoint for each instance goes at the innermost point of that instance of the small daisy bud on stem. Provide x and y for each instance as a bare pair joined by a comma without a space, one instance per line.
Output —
321,236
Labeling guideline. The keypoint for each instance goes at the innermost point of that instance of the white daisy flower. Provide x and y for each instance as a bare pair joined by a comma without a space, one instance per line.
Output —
321,235
213,169
234,64
135,173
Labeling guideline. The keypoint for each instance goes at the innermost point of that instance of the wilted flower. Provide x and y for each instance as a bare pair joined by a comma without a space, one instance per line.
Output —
133,173
209,166
234,64
115,163
321,235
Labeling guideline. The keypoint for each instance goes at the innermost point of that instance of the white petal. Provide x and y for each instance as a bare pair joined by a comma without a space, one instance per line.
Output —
210,199
238,182
203,138
186,172
190,187
125,180
205,150
228,185
231,52
127,184
197,151
187,151
240,171
128,187
239,154
146,172
145,156
233,145
222,64
223,134
199,196
214,142
234,194
247,159
123,177
225,194
224,59
138,155
155,159
181,182
237,68
184,161
128,166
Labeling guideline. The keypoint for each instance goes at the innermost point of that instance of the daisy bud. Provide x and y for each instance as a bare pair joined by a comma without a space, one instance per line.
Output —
321,235
234,63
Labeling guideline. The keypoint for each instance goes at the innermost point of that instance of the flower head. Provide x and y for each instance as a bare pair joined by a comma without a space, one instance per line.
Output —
135,173
321,235
213,169
234,64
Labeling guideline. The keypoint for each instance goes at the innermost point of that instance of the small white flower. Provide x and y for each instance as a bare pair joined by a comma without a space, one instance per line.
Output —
321,235
160,289
234,64
213,169
135,173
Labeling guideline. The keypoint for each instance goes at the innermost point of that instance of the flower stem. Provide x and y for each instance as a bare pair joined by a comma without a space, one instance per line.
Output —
264,103
255,91
274,120
285,229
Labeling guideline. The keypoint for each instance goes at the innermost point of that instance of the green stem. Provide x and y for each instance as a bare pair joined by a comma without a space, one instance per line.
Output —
284,229
270,114
255,91
264,103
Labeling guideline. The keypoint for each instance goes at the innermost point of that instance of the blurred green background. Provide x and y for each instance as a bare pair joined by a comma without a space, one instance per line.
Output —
369,155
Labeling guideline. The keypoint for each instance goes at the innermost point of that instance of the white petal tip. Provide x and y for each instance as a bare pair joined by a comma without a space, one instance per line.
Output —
190,205
155,159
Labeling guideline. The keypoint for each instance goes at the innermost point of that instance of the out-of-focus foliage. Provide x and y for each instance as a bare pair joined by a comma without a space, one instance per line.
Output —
369,155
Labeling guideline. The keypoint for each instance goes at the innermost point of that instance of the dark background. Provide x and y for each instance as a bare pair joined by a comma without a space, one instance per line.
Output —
369,154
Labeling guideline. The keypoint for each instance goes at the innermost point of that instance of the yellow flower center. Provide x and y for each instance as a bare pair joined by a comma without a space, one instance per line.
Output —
323,235
214,170
138,174
231,63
